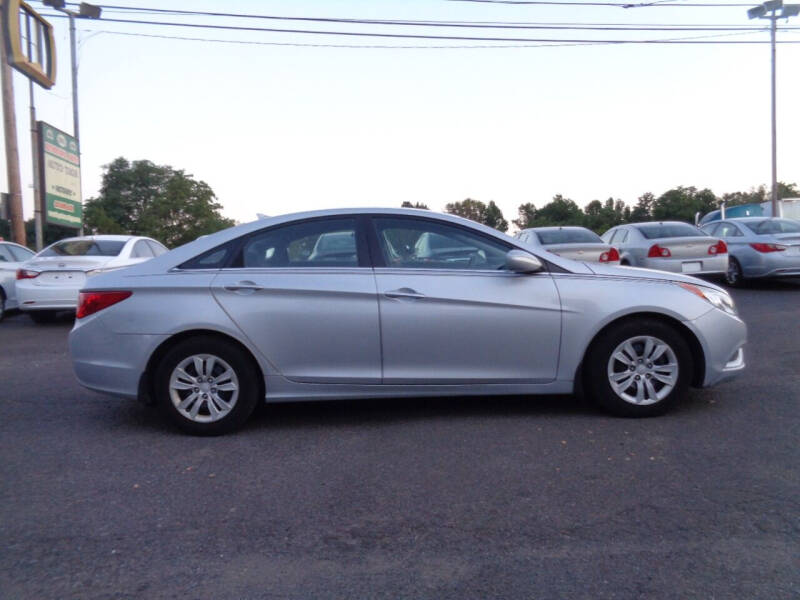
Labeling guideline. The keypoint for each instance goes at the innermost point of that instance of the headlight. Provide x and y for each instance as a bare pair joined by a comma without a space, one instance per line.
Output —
719,299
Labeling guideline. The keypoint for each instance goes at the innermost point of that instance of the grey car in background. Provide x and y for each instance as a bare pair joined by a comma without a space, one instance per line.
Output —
671,246
576,243
428,305
759,247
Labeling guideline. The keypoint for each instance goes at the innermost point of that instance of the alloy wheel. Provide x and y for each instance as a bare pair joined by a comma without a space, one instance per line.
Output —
643,370
203,388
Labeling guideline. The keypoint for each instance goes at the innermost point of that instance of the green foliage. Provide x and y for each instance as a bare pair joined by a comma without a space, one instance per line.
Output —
493,217
682,203
478,211
407,204
643,211
526,215
141,198
761,194
559,211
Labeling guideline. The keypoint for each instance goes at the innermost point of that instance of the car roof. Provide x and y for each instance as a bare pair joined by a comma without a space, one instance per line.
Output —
556,228
660,223
109,238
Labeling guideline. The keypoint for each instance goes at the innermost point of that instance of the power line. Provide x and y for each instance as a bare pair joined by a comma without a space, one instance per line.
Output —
399,35
608,4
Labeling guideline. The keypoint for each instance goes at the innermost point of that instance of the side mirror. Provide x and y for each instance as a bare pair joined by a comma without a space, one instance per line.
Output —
518,261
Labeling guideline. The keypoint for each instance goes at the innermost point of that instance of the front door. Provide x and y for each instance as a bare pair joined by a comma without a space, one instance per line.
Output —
451,315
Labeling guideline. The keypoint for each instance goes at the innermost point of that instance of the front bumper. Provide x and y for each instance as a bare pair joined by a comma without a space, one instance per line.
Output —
722,337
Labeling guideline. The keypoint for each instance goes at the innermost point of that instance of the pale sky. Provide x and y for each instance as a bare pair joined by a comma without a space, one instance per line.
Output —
275,129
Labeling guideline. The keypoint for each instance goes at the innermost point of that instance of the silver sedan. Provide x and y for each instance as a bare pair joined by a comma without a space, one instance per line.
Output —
259,312
671,246
759,247
577,243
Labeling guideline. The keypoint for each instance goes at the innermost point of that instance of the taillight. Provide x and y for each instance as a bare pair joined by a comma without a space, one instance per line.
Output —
25,274
765,247
657,251
719,248
611,255
92,302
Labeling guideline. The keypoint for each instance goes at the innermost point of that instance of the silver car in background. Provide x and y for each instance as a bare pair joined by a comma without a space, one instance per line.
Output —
427,305
759,247
671,246
576,243
50,281
11,257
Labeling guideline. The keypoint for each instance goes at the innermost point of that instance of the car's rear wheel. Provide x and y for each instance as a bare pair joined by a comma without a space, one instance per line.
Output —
734,276
2,304
207,385
640,368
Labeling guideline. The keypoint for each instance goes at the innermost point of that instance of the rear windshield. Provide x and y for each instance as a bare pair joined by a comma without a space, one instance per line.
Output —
774,226
568,236
654,231
84,248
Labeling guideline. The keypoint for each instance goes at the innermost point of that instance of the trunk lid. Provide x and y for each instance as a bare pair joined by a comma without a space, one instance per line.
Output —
687,247
585,252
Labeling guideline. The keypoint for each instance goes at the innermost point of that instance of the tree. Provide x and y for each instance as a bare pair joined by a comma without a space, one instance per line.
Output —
559,211
469,209
526,215
760,194
141,198
681,204
477,211
407,204
493,217
643,210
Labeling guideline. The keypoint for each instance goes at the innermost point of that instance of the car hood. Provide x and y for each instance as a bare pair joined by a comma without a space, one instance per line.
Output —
651,274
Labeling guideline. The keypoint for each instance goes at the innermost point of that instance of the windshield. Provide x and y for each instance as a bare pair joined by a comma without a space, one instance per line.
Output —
568,236
774,226
84,248
654,231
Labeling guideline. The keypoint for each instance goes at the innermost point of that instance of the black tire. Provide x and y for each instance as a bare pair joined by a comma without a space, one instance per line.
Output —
734,276
2,304
43,316
624,263
245,372
598,358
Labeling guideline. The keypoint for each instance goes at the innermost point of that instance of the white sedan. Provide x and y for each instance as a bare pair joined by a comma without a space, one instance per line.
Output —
11,257
50,281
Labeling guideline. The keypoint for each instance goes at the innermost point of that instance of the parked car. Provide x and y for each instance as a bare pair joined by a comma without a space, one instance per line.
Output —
669,246
11,257
49,282
577,243
212,328
759,247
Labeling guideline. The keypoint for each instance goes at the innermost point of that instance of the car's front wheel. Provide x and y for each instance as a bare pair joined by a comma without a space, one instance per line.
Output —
640,368
207,385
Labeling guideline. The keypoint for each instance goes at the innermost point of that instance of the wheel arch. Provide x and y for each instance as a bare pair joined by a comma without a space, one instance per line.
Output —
696,349
146,380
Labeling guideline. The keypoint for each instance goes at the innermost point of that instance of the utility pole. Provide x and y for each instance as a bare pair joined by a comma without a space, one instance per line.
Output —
12,150
86,11
769,10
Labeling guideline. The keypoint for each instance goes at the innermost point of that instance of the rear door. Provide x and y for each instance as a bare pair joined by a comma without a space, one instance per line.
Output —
450,315
304,294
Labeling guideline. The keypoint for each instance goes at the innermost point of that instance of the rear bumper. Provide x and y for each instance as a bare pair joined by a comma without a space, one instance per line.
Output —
37,297
709,265
107,362
772,264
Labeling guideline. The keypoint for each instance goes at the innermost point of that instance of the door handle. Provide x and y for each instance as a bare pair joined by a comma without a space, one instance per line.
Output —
404,293
243,286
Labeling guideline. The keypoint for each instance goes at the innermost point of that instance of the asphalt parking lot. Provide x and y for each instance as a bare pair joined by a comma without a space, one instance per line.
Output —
446,498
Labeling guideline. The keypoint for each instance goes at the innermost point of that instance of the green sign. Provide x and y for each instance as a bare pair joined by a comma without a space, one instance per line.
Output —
60,165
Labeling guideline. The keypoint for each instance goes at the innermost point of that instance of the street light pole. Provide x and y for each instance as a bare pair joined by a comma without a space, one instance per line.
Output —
769,10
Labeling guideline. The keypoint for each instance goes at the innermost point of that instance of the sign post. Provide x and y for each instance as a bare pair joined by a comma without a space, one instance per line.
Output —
60,168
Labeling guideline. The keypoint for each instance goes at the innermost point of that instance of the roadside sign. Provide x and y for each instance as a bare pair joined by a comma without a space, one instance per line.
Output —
29,41
60,166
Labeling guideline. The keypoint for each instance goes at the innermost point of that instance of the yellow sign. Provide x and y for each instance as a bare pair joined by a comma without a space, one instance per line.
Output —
29,41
